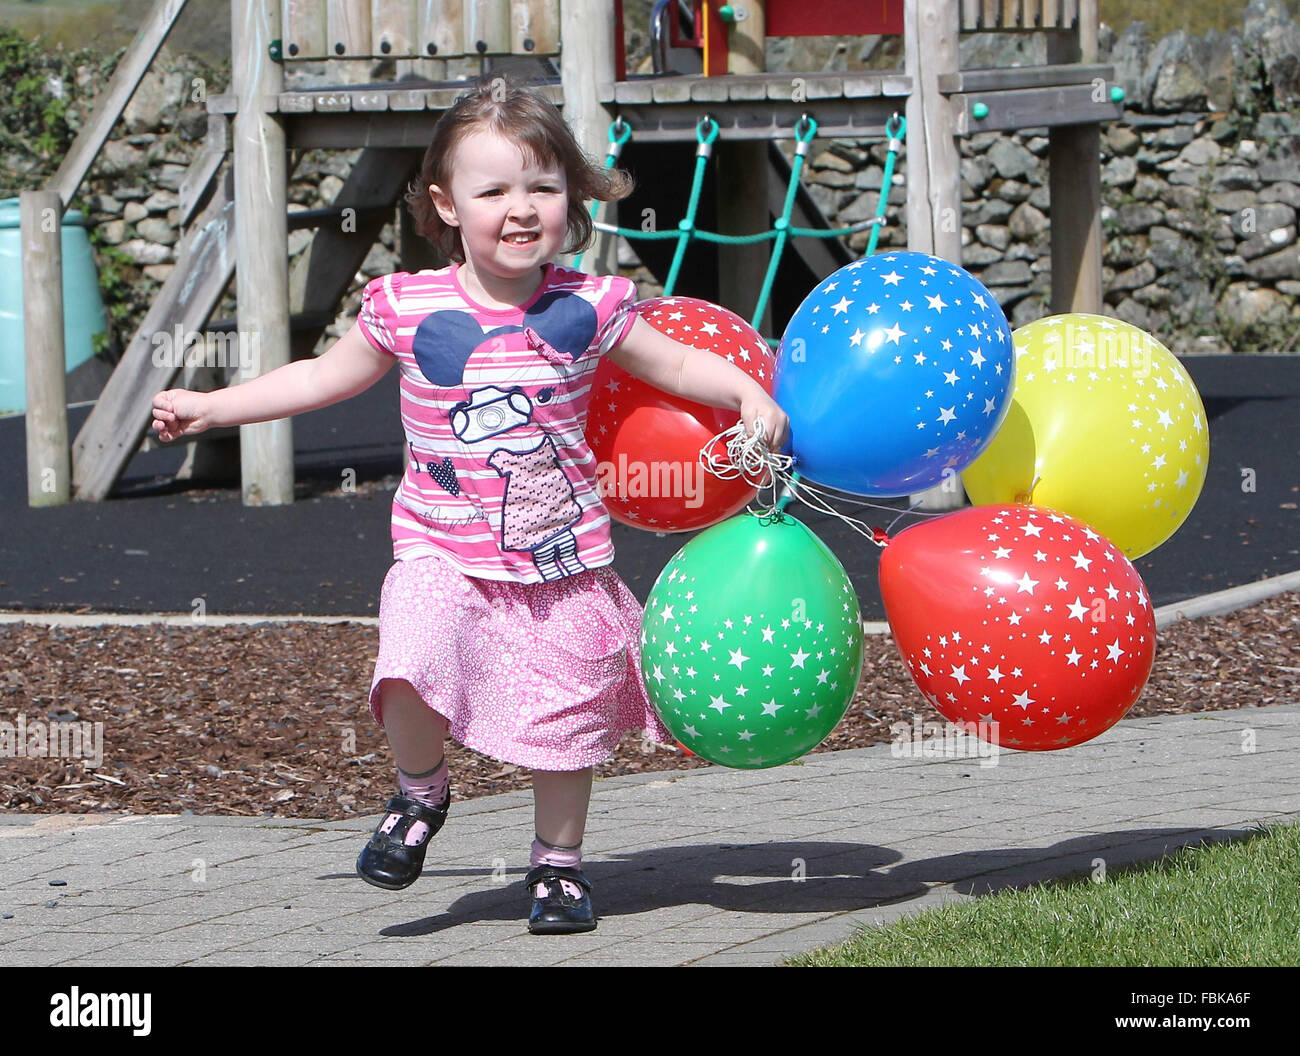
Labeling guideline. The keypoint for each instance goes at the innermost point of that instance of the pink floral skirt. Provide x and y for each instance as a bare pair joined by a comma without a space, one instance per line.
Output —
542,675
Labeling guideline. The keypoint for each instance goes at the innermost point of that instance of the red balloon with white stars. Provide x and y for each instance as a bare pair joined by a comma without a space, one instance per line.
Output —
1022,616
647,442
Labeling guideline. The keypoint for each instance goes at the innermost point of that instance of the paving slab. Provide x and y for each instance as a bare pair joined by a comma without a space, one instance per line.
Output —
702,867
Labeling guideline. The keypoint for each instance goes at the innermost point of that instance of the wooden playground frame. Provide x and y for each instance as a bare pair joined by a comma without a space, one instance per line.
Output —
258,122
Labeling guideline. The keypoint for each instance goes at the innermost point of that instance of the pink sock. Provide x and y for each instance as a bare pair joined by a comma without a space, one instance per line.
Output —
429,788
564,857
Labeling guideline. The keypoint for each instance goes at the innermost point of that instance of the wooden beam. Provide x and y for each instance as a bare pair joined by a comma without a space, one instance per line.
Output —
586,72
121,86
48,469
121,415
262,269
933,163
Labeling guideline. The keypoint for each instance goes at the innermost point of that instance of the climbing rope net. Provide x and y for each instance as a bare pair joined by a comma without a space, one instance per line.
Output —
706,134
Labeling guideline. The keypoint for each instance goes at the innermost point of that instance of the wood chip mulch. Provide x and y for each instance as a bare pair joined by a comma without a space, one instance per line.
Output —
272,720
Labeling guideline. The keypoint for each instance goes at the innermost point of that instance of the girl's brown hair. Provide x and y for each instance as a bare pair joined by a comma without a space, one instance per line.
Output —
503,106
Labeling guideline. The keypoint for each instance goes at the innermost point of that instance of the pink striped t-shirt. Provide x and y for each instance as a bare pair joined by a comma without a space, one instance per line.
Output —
500,481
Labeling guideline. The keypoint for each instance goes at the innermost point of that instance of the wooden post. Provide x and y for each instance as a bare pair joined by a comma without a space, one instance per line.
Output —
261,236
587,74
742,183
1074,186
933,163
49,468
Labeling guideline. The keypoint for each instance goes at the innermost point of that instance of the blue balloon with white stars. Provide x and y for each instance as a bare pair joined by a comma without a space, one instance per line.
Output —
896,372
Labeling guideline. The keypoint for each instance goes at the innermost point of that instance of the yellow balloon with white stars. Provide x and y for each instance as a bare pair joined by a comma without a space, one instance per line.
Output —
1105,424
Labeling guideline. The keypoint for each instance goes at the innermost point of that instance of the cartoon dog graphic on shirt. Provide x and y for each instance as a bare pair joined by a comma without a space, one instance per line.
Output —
539,507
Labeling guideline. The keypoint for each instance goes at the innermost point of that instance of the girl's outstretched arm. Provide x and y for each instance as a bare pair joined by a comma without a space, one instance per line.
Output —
349,366
698,375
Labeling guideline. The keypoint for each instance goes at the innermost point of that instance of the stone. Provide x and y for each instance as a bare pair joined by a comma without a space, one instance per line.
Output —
134,212
117,158
977,255
1149,158
1006,273
1267,242
1260,219
1243,304
1011,160
1289,287
1129,57
1041,198
990,210
1119,172
1285,264
1282,161
1248,150
170,177
144,112
161,201
1201,151
1176,73
1026,222
863,207
1020,251
1028,310
1132,312
1234,201
298,241
1277,126
1269,30
829,160
104,203
1149,189
142,251
834,180
1282,192
1132,278
1173,137
1235,178
1160,233
1182,175
158,272
1223,57
1125,252
1185,198
1152,296
156,230
1137,217
112,232
870,178
1223,131
826,199
1038,145
1168,254
1013,191
1121,140
993,235
977,172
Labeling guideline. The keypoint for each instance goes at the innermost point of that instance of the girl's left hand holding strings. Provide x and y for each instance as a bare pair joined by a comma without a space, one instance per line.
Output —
776,424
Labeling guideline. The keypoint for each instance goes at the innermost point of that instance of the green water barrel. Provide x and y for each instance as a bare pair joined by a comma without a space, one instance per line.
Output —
83,308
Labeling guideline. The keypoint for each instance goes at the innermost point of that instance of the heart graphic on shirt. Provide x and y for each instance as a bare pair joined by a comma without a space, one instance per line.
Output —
445,474
445,340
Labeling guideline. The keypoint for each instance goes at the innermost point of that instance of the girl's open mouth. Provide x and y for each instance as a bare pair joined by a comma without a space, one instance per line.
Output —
522,238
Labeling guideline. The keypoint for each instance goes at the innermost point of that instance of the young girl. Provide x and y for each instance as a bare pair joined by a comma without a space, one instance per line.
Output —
501,619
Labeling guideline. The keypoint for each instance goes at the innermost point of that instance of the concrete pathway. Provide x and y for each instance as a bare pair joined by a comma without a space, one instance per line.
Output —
705,867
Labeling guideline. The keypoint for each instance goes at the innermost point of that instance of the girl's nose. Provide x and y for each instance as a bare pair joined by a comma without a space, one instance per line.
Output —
521,204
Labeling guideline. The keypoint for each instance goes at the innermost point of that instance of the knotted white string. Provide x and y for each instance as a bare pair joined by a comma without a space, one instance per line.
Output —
748,457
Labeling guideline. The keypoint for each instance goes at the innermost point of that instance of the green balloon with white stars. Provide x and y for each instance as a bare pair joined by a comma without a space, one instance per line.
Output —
751,644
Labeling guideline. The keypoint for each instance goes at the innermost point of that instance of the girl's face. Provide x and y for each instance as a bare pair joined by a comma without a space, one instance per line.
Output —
512,213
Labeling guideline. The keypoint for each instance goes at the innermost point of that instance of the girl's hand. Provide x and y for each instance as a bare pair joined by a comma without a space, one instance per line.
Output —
776,424
180,412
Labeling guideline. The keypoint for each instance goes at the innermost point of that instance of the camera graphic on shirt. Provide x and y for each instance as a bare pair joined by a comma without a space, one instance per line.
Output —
488,412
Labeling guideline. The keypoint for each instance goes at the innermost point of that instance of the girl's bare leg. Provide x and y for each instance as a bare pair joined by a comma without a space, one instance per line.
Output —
415,731
560,800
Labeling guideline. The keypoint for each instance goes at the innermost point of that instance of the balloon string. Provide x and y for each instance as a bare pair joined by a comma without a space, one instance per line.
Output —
748,457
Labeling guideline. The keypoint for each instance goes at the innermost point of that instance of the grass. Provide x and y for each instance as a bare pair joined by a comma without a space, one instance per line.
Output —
1224,905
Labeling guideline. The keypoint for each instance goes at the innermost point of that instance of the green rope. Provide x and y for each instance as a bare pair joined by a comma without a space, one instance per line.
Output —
706,133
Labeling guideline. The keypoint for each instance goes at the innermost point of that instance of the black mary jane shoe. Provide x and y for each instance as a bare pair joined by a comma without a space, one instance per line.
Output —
557,912
387,861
